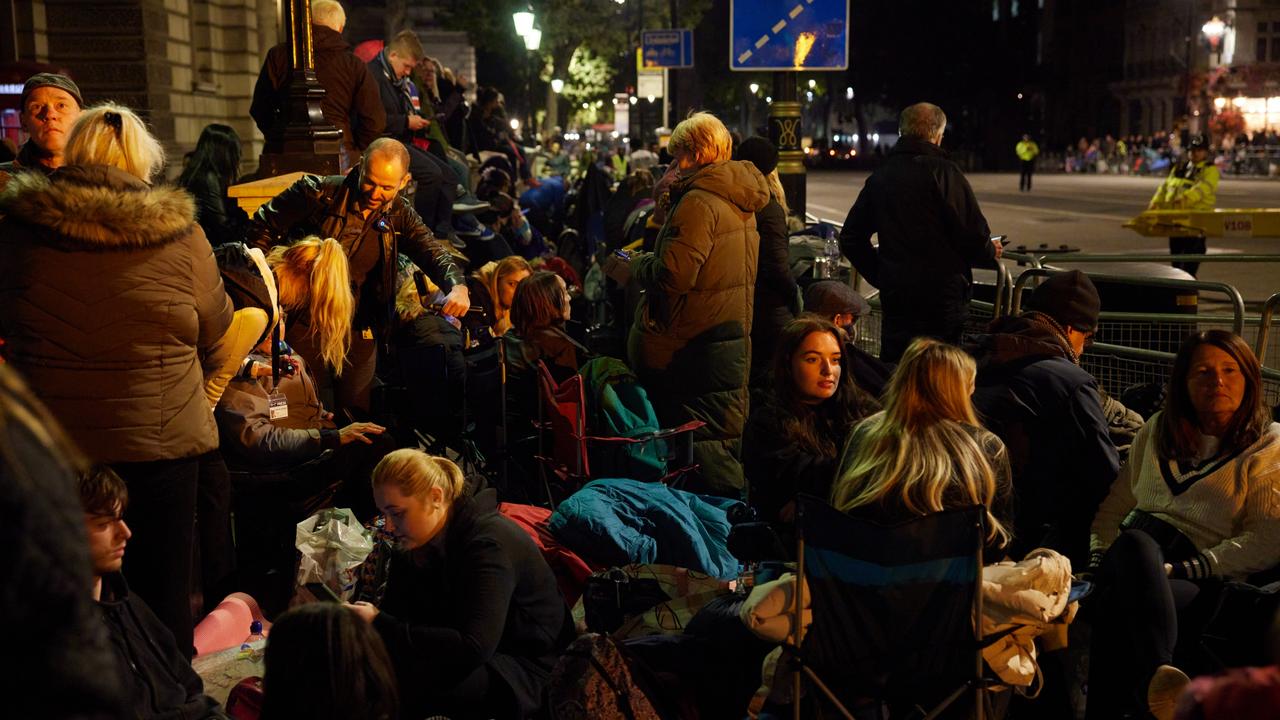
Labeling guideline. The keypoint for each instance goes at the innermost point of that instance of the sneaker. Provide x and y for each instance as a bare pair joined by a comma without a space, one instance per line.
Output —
1163,691
469,206
467,225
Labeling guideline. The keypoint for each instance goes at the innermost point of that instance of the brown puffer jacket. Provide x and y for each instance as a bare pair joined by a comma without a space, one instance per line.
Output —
702,273
108,294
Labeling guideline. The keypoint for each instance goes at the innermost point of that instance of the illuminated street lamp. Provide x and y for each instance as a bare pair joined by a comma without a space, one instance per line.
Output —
1213,31
812,83
754,88
533,39
523,21
557,86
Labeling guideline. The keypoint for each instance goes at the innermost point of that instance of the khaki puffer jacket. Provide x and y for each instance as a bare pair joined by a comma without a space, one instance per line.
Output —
108,295
702,273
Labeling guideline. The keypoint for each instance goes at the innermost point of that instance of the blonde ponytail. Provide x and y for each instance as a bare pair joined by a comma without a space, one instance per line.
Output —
416,473
314,274
779,194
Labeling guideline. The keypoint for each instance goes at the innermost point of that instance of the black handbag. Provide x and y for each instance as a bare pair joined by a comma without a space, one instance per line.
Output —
611,596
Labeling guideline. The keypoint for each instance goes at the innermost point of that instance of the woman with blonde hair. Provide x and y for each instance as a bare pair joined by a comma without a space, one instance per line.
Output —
496,291
109,299
925,452
472,616
313,281
690,344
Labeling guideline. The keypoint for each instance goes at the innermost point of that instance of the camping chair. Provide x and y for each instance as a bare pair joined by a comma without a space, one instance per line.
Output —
896,609
577,456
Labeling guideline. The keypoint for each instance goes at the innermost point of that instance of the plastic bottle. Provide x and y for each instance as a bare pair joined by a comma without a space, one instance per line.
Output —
247,648
831,253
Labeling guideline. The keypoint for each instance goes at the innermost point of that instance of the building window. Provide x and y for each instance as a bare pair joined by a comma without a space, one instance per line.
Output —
10,127
1268,37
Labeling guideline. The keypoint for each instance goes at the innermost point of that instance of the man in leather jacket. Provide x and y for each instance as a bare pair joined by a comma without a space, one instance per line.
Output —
365,212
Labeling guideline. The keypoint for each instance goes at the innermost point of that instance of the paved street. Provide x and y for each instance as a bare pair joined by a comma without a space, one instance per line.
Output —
1086,211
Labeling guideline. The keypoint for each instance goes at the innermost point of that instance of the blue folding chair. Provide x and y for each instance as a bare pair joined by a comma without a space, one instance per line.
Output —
896,610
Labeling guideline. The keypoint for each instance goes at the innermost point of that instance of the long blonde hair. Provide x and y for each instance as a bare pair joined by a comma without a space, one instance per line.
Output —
917,451
313,274
491,274
775,187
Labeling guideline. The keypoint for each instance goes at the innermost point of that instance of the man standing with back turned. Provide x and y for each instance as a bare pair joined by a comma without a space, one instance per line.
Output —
931,233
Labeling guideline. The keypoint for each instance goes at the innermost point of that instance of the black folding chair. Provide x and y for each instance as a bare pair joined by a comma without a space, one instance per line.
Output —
896,610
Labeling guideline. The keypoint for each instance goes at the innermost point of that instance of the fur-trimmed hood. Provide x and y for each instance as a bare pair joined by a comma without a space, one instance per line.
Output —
97,208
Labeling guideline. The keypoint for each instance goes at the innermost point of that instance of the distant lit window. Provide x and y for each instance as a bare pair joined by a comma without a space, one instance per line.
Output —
995,10
1013,9
1268,39
10,127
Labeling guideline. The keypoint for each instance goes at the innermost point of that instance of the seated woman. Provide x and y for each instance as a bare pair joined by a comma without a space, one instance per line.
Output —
793,438
472,615
539,311
925,452
493,287
323,663
1195,503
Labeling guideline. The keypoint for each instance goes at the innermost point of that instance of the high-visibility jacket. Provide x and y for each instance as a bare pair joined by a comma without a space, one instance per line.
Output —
1190,186
1027,150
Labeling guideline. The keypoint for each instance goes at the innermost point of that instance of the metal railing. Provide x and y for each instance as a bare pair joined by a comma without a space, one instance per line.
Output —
1264,328
1232,295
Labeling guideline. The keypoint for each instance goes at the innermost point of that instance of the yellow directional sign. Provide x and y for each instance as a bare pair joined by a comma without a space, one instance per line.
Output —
1223,222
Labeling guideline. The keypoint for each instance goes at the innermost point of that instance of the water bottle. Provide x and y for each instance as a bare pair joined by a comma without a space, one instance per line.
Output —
830,268
247,649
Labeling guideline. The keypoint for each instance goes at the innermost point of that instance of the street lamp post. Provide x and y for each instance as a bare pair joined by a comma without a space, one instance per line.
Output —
532,37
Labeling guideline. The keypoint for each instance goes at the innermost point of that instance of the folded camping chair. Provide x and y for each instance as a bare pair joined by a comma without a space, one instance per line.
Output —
896,610
577,456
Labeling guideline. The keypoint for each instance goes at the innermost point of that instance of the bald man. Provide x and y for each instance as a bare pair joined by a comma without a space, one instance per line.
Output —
366,213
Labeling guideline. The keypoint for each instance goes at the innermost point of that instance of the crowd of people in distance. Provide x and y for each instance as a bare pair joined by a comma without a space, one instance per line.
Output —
183,383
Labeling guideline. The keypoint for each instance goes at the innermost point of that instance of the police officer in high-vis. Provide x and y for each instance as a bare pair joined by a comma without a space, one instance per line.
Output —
1027,151
1191,185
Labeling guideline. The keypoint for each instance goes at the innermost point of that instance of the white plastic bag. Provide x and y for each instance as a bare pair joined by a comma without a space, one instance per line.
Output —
333,546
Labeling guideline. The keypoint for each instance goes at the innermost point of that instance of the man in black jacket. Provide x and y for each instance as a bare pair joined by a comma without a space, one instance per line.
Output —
156,678
1032,392
351,100
48,107
437,185
365,212
931,233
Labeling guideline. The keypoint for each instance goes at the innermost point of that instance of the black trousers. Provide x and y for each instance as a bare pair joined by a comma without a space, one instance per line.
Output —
350,391
1024,179
899,329
213,529
1187,246
159,557
1138,616
437,190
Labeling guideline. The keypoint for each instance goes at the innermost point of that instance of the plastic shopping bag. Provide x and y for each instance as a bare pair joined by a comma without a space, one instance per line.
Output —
333,546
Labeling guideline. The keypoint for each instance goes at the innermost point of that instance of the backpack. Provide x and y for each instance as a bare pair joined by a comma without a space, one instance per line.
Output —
618,406
248,281
598,679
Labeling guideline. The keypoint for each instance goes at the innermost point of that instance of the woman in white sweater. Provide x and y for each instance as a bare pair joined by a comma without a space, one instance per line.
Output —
1198,502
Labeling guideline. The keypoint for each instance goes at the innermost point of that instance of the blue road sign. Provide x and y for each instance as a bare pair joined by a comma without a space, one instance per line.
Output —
667,48
789,35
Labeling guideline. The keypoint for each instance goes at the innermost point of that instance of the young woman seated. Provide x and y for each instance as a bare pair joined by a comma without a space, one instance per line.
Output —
794,434
323,663
1197,503
493,287
925,452
472,616
539,310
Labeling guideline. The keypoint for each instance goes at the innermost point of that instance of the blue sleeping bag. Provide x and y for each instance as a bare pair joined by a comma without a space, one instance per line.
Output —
616,521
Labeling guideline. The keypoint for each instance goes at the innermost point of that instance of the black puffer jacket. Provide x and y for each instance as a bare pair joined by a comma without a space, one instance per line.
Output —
323,205
775,295
1046,410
